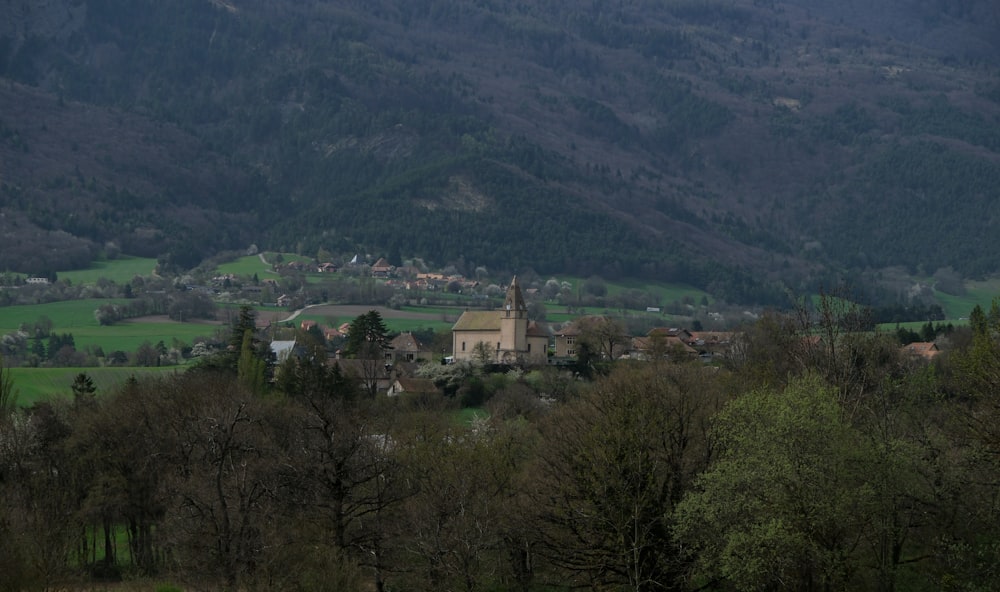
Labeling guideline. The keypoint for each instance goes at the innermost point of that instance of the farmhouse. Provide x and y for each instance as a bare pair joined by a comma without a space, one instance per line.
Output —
419,386
926,350
405,348
504,336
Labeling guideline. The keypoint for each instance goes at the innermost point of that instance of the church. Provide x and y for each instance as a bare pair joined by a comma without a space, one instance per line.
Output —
504,336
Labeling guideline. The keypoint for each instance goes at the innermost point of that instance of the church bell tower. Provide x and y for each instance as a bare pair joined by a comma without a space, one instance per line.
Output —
513,325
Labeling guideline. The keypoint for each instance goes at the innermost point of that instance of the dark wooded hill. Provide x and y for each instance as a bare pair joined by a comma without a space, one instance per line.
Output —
745,146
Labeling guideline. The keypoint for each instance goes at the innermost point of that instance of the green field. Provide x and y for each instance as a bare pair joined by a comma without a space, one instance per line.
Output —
393,324
35,384
665,292
129,335
247,266
981,293
67,316
252,264
119,270
77,317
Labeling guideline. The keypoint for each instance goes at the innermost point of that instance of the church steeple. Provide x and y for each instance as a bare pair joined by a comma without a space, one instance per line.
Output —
514,302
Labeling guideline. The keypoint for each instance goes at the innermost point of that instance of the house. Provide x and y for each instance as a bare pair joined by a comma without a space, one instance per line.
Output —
566,340
659,345
712,343
608,337
382,268
406,348
503,336
926,350
307,325
415,386
326,268
371,375
682,334
282,350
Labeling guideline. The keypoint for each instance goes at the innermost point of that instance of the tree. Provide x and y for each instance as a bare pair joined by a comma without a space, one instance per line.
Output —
595,286
786,503
614,465
603,336
246,320
250,369
228,469
83,388
453,531
483,354
367,340
367,336
8,394
146,355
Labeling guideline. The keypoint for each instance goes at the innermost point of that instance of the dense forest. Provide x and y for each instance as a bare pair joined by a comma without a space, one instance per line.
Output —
837,463
731,145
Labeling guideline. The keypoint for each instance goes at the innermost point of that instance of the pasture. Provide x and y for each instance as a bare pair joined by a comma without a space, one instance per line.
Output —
246,266
77,317
67,316
37,384
665,292
979,292
120,270
407,319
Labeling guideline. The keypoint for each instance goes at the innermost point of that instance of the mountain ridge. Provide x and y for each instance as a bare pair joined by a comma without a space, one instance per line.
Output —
734,145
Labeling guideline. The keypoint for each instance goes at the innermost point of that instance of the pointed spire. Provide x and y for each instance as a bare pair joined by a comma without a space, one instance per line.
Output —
514,299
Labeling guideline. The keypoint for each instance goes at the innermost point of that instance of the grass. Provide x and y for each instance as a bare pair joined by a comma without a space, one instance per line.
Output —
466,415
66,316
36,384
77,317
977,293
666,292
401,325
252,264
129,335
248,266
120,270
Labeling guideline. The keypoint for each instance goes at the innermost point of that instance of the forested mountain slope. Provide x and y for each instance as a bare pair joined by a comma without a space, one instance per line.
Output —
741,145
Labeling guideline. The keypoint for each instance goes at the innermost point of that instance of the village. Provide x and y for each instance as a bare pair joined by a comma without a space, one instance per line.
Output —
507,338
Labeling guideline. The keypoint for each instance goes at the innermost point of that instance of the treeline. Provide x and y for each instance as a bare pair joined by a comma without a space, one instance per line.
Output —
833,463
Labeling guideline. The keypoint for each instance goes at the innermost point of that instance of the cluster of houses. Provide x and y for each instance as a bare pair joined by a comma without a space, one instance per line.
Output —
506,336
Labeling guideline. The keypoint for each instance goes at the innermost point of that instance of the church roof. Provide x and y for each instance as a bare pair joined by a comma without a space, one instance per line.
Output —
478,320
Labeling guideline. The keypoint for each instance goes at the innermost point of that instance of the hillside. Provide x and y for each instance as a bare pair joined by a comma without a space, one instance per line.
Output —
745,146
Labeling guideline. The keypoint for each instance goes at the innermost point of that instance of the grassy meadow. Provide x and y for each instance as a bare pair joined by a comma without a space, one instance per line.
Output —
120,270
77,317
247,266
36,384
666,292
66,316
982,293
